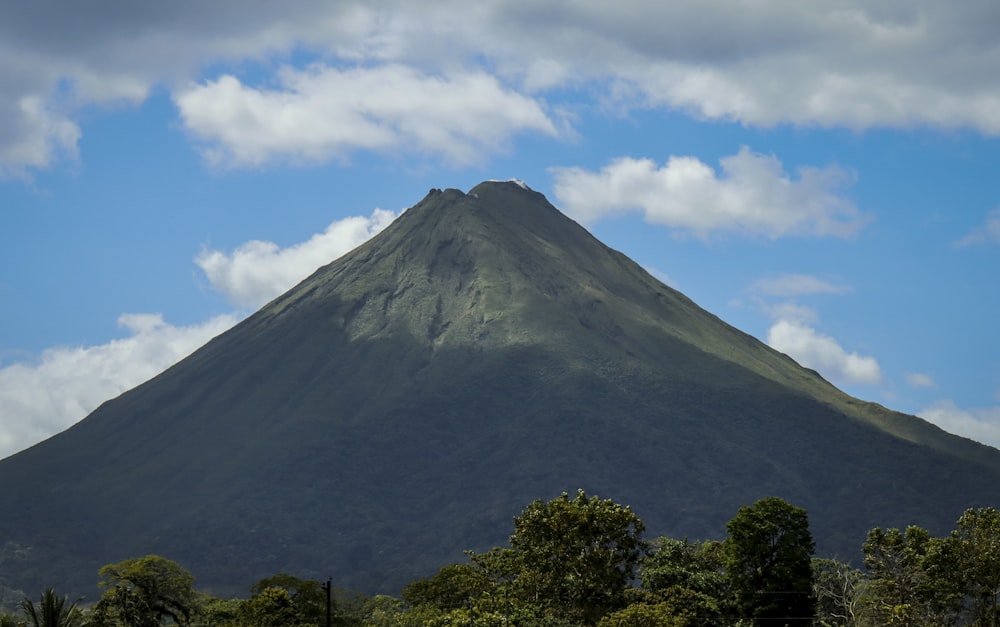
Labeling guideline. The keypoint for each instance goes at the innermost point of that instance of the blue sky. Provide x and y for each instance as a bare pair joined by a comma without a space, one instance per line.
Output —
822,176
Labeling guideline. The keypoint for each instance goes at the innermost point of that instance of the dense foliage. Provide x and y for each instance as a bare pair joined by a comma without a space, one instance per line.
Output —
768,562
574,561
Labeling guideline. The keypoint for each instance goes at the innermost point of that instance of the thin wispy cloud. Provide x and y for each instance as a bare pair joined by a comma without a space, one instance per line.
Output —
920,380
790,284
987,233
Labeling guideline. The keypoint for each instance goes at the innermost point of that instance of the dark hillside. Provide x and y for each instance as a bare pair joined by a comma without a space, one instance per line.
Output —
407,400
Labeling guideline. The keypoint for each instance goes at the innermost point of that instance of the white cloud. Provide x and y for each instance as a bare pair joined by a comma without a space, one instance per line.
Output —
793,330
823,354
325,113
752,195
849,64
981,424
40,136
988,233
789,284
56,58
40,399
920,380
257,271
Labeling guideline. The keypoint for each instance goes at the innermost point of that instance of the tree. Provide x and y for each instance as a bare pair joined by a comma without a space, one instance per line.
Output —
455,587
121,606
576,557
307,595
144,591
221,612
382,611
768,563
903,590
51,611
686,578
968,562
840,592
271,607
696,566
656,615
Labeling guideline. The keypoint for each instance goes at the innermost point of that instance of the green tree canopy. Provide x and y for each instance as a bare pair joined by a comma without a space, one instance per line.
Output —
646,615
768,563
576,557
454,587
696,566
144,591
271,607
902,590
967,564
308,596
978,541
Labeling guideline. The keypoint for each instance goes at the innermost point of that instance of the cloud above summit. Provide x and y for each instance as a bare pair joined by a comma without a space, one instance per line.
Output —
849,64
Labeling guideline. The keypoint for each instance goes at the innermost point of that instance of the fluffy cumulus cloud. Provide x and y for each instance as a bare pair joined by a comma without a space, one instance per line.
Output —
793,329
850,64
823,354
751,194
40,399
324,112
980,424
257,271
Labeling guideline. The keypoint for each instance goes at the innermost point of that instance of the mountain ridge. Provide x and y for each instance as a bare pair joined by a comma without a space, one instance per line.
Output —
404,401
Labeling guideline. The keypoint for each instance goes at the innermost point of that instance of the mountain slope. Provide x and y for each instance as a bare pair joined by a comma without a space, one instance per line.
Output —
405,401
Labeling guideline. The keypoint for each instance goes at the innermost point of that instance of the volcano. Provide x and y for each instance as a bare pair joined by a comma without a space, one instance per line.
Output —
404,402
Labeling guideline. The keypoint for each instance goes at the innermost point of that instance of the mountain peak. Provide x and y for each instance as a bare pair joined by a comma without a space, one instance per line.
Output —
518,182
511,199
472,259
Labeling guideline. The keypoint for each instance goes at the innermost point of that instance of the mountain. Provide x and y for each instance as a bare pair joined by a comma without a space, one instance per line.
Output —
404,402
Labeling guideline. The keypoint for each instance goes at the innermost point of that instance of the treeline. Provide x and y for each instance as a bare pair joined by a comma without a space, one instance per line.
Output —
584,561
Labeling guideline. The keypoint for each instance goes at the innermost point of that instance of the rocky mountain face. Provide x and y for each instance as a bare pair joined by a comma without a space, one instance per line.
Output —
404,402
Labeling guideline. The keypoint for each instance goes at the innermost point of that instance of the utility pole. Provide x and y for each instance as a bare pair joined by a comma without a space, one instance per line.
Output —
327,587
